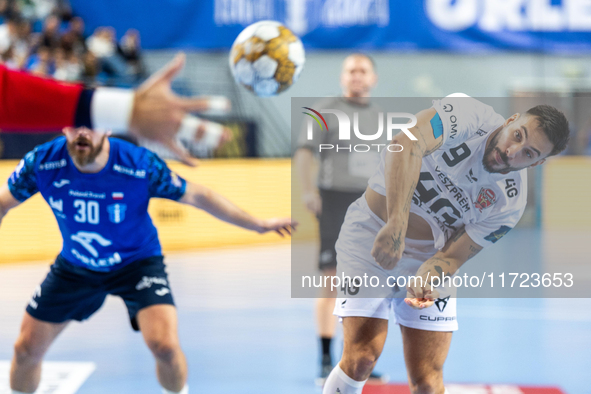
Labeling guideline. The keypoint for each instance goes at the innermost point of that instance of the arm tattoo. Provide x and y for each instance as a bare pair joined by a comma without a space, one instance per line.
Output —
473,251
437,264
396,242
413,154
437,259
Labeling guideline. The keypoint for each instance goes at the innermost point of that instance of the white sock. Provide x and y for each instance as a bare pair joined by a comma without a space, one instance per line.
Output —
185,390
338,382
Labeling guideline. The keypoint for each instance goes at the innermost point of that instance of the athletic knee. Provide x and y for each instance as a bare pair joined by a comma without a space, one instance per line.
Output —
27,351
164,349
427,383
359,365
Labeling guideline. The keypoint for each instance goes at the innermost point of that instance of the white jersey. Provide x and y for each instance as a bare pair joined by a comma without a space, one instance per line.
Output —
454,189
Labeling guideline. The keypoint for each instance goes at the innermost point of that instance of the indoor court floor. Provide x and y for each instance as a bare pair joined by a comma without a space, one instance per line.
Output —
243,333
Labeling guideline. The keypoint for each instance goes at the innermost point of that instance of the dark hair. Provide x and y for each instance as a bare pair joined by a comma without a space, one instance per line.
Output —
554,124
365,55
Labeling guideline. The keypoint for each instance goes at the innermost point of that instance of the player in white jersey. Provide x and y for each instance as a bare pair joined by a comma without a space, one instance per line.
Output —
427,210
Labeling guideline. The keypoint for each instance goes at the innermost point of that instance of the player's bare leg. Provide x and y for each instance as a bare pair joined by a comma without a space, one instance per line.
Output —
364,341
326,322
424,354
158,324
33,341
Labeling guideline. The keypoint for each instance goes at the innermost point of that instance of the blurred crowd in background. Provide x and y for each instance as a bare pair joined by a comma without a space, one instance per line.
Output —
46,39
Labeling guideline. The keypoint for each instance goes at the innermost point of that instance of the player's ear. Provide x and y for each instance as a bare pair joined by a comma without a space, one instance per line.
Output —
537,163
67,130
512,119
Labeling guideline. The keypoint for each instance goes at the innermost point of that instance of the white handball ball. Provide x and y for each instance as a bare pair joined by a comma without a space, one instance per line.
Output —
267,58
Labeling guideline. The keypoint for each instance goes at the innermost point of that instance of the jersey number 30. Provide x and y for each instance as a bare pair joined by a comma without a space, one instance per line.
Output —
88,211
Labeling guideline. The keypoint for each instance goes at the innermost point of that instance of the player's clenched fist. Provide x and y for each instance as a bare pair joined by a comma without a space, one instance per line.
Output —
388,246
420,294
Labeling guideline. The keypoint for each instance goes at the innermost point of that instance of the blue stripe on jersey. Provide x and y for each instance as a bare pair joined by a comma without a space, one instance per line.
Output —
103,217
437,126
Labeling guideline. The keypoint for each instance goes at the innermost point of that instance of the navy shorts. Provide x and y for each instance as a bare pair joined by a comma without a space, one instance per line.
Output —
70,292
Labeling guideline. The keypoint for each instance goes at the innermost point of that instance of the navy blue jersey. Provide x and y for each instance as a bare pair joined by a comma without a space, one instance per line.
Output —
103,217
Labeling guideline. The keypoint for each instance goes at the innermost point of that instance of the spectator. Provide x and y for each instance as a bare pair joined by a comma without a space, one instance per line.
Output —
67,66
90,68
35,10
41,63
73,39
103,46
129,48
22,43
50,34
9,59
61,65
8,32
74,66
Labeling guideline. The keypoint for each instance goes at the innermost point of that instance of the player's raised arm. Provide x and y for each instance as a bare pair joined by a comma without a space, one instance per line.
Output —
402,171
217,205
7,201
459,249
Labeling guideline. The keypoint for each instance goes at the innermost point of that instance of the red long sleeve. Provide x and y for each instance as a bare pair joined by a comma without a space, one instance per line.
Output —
30,103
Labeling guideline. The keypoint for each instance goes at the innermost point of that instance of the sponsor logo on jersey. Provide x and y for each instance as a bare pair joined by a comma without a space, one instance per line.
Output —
481,132
498,234
128,171
117,196
76,193
486,198
58,205
448,108
471,176
53,165
117,212
61,183
441,303
453,120
147,282
162,292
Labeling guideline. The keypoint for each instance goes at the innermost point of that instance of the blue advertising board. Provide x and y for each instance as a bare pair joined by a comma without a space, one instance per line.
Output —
559,26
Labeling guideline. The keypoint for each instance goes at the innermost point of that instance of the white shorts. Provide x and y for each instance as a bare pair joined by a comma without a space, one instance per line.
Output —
354,258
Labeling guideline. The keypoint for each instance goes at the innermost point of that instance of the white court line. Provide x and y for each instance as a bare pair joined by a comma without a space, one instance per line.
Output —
56,378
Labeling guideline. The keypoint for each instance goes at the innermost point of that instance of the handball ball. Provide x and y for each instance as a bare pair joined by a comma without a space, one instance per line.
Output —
267,58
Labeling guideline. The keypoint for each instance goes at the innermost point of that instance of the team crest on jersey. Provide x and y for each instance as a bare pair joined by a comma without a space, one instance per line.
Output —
498,234
117,212
486,198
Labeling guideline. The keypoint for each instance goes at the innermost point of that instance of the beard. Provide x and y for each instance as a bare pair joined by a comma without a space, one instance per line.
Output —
488,160
83,158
